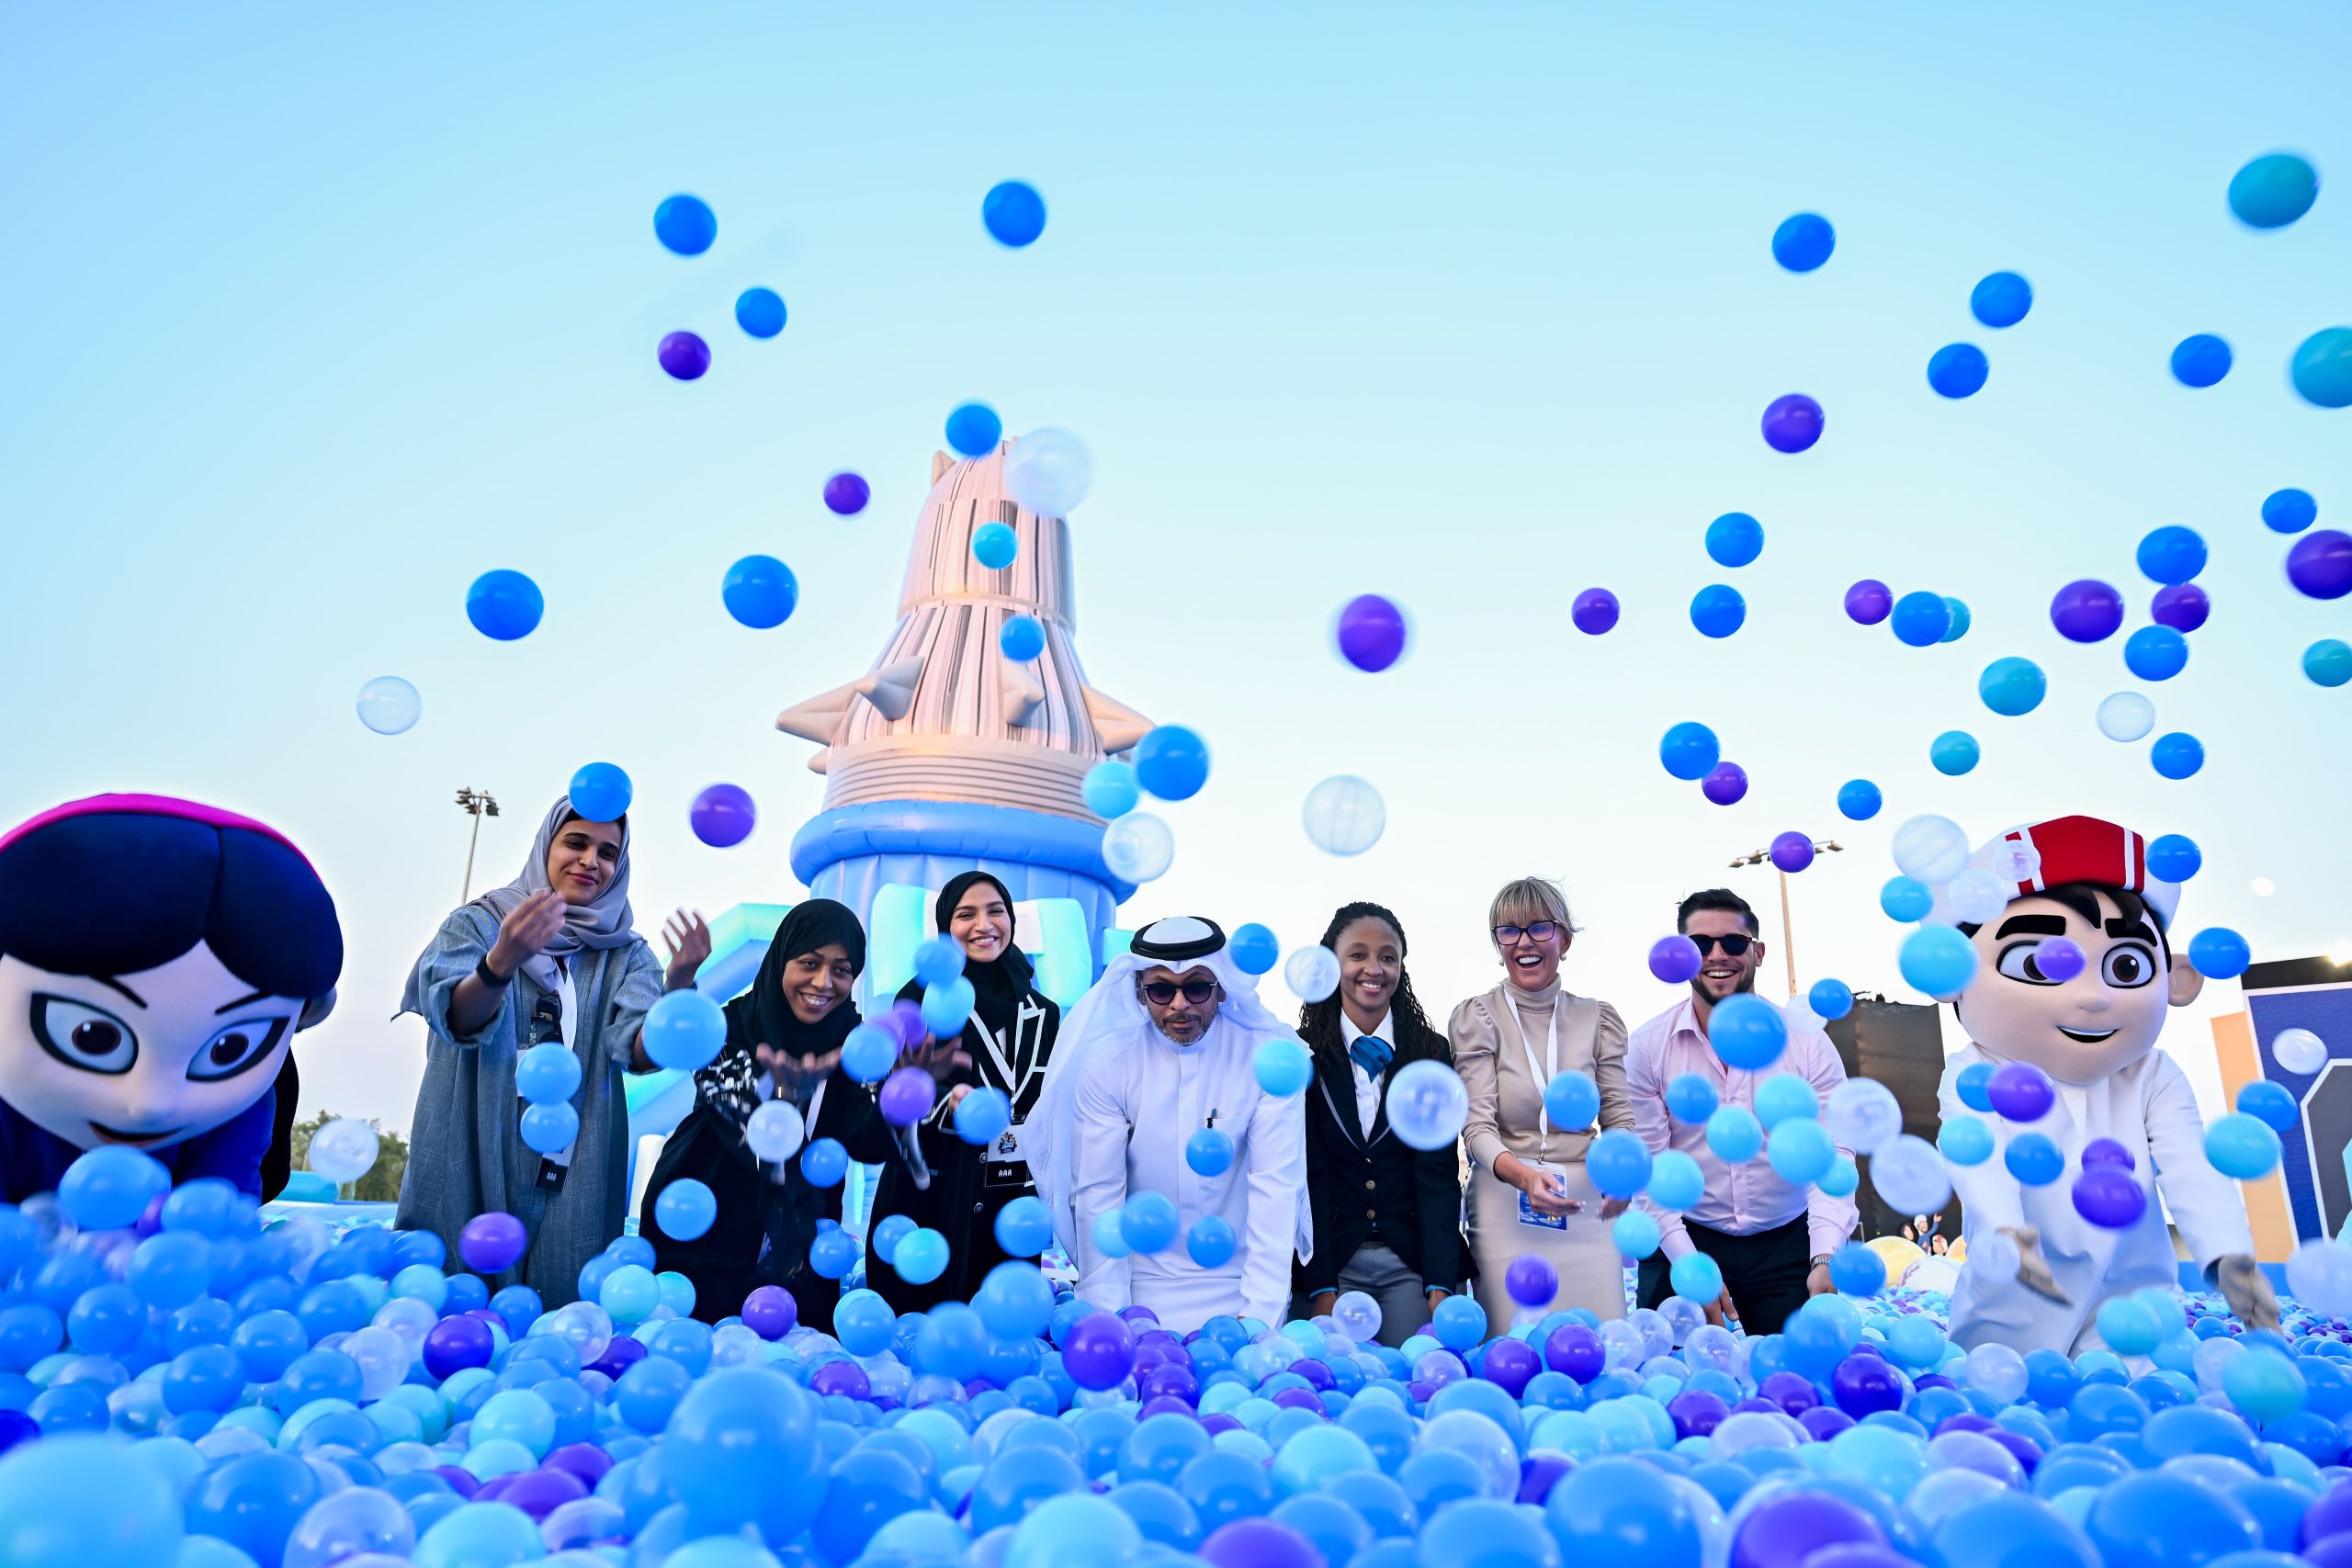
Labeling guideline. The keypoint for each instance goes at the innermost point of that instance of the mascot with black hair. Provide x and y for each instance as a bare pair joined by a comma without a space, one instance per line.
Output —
156,958
2076,977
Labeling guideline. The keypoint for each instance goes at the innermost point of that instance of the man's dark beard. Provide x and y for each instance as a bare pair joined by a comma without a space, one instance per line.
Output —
1708,999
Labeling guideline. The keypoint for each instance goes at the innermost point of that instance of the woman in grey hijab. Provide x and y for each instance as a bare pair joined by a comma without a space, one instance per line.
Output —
550,956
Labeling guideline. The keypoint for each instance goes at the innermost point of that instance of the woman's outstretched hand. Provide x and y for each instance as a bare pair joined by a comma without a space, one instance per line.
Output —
689,941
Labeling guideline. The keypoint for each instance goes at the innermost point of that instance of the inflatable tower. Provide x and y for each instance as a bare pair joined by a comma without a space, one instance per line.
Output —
946,755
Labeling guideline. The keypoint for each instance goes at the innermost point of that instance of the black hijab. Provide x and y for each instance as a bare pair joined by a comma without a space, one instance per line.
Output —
762,1017
998,984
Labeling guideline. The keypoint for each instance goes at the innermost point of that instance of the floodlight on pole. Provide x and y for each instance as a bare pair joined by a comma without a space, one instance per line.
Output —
476,803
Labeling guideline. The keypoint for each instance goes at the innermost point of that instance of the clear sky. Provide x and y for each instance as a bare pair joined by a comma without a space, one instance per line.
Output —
315,313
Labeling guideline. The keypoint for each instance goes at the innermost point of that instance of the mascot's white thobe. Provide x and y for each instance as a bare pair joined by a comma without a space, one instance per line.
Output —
1130,1085
2037,1269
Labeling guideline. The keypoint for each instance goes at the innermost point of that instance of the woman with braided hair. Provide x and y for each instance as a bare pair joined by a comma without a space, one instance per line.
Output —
1388,1216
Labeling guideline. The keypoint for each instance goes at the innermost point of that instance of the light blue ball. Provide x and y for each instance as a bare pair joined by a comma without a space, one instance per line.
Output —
1171,762
1459,1323
1734,539
1953,752
1830,999
547,1128
1689,1098
2241,1147
547,1073
1966,1141
1783,1096
1211,1242
684,1031
2273,191
1209,1152
600,792
2012,686
1735,1135
1939,961
1572,1101
1283,1068
1254,949
1635,1234
2219,953
945,1008
1748,1031
2328,662
995,546
921,1257
1025,1227
109,1187
1856,1270
1959,620
2155,653
1618,1162
869,1054
686,1209
1696,1278
1676,1182
1801,1151
2321,368
938,960
1148,1224
825,1162
982,1115
1111,789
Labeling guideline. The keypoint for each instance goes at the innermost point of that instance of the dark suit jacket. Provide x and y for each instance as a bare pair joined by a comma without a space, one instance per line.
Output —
1411,1197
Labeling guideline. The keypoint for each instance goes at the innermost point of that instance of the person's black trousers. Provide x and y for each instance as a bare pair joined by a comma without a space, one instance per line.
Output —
1765,1272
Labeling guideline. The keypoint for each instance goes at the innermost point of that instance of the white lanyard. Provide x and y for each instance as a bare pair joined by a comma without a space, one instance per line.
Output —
1535,1069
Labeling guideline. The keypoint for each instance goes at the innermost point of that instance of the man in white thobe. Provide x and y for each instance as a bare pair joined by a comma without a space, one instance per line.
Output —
1162,1051
2036,1268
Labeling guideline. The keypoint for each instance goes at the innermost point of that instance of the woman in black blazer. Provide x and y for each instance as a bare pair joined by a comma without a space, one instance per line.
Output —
1388,1216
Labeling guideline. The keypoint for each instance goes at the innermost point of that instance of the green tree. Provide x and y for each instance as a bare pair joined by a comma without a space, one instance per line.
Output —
381,1181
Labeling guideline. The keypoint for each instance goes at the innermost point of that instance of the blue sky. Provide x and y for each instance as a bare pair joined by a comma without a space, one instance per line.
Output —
314,315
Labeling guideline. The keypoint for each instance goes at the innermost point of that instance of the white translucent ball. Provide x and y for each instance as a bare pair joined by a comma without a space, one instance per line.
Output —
1978,896
2263,887
736,1346
383,1358
773,1131
1358,1316
389,705
2017,861
1998,1370
1138,847
1427,1104
1621,1342
1864,1115
2126,715
1909,1174
408,1317
343,1150
1312,973
2319,1274
1048,471
1683,1318
1930,850
2299,1051
1344,816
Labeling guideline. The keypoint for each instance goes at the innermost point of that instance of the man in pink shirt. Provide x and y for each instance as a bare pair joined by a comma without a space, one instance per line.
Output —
1772,1240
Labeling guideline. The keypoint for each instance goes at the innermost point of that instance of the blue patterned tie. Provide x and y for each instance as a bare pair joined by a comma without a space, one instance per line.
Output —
1372,1054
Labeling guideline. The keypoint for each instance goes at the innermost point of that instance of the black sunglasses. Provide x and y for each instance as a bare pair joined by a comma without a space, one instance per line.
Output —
1162,992
1732,945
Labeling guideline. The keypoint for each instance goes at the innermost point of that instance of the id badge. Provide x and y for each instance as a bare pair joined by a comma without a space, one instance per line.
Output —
1007,1165
1529,1215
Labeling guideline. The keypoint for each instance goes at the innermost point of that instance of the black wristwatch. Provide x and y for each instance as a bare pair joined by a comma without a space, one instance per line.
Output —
489,976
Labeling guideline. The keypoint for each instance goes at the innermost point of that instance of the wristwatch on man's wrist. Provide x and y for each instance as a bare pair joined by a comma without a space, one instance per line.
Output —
1820,1260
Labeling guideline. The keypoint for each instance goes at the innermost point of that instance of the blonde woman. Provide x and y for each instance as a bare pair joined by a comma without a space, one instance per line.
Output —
1528,1190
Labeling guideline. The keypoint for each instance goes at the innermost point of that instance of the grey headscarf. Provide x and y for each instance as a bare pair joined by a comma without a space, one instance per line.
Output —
602,922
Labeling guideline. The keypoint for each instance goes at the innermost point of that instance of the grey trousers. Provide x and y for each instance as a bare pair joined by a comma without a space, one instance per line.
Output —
1382,1275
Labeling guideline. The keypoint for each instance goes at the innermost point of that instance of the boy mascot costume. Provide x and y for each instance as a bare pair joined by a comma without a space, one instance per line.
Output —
156,958
2037,1267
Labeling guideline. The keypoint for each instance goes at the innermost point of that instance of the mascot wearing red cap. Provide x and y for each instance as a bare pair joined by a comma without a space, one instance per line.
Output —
2038,1263
156,958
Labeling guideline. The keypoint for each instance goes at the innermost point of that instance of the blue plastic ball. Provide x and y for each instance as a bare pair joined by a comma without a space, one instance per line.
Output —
2155,653
1014,214
686,1209
1858,800
1696,1277
1572,1101
759,591
2328,662
2034,1158
2271,1103
1689,1098
504,606
1748,1031
1211,1242
2171,554
1920,619
2200,361
1636,1234
1959,620
1830,999
973,430
2012,686
1254,949
1734,539
684,1029
2241,1146
825,1162
1021,639
2176,754
2321,369
685,225
1735,1135
600,792
1024,1227
1689,750
2001,300
1856,1270
1905,898
2174,857
1171,762
1111,789
109,1187
2219,953
1966,1141
1937,961
1802,243
547,1128
1958,370
2289,510
547,1073
1953,752
1974,1087
1618,1162
995,545
760,311
2273,191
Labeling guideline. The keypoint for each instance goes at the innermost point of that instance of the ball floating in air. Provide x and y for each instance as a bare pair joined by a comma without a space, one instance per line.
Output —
1958,370
2273,191
504,606
389,705
684,356
2201,360
2321,368
1791,423
2001,300
1803,241
1013,213
759,312
685,225
1371,632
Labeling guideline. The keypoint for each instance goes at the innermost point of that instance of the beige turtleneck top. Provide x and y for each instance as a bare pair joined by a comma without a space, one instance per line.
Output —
1490,1034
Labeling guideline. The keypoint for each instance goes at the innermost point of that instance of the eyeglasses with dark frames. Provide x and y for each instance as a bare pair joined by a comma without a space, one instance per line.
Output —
1162,992
1534,931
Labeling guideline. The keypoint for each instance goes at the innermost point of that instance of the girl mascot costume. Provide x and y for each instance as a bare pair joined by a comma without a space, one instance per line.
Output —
157,957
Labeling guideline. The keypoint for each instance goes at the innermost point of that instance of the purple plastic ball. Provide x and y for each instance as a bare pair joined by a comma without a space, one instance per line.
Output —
2059,958
1824,1422
2086,611
540,1492
1791,423
1864,1384
684,356
2320,564
1594,612
906,1018
492,1242
907,1097
770,1312
1697,1413
585,1461
1793,1391
1792,852
455,1343
1530,1280
1725,785
722,815
2107,1151
1509,1363
845,1378
1868,602
1260,1543
1371,633
1539,1473
2183,607
2020,1091
2110,1197
1098,1351
1673,959
1576,1351
846,494
619,1356
1784,1530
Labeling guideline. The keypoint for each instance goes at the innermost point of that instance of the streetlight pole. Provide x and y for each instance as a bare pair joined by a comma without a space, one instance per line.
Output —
1788,931
476,803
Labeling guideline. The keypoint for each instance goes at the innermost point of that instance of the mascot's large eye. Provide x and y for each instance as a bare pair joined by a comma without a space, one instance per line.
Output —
80,1036
2017,961
235,1047
2128,966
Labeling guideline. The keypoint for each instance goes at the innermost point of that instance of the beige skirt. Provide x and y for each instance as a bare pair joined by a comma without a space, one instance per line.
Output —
1591,1270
